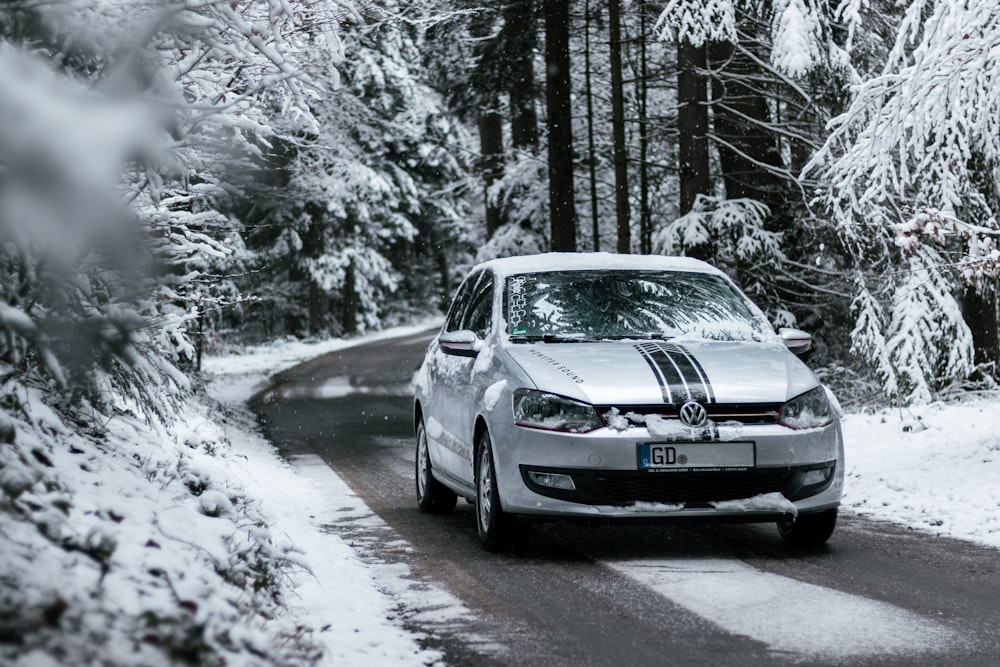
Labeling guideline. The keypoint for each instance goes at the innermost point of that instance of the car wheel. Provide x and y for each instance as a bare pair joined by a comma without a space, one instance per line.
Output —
498,530
433,497
808,530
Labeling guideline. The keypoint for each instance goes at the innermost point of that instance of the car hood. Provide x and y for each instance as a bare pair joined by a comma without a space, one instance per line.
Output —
656,372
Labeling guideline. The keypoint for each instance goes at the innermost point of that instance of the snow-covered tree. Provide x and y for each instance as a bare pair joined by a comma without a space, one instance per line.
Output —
374,199
124,127
154,104
910,181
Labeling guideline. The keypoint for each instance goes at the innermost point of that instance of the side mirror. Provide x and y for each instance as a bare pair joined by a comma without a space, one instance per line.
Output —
462,343
796,340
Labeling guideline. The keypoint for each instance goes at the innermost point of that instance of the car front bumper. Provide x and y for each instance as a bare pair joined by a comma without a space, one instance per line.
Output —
794,471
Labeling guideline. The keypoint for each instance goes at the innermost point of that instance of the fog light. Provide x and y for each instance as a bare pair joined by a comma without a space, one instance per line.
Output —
815,476
552,480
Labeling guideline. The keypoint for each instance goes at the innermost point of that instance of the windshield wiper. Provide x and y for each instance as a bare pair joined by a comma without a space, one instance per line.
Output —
547,338
631,336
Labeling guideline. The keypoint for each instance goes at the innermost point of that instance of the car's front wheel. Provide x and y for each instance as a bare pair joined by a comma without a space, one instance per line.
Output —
808,530
433,497
497,529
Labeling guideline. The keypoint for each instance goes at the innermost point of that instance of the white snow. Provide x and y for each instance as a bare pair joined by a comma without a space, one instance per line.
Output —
569,261
492,395
765,502
934,468
788,615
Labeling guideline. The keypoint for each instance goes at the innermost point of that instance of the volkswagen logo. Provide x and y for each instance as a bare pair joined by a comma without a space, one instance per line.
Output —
693,414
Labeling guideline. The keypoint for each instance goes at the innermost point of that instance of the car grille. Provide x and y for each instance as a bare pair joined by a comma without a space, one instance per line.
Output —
745,413
628,488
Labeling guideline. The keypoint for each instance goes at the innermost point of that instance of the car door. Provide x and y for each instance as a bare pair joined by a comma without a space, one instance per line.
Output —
444,409
470,384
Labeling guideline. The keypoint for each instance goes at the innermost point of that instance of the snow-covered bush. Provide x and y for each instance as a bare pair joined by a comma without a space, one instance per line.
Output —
132,547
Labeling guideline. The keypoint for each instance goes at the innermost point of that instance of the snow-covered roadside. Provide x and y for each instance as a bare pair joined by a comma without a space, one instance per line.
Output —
934,468
354,604
183,538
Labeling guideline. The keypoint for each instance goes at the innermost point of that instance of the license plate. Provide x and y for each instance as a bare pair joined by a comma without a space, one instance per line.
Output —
697,456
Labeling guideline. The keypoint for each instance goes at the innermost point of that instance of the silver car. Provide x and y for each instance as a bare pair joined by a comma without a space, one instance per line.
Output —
598,386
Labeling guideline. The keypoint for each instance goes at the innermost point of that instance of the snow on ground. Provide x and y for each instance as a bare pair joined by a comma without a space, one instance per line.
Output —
934,468
770,608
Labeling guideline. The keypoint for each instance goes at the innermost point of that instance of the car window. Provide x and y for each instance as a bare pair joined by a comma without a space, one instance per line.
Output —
460,303
626,304
479,315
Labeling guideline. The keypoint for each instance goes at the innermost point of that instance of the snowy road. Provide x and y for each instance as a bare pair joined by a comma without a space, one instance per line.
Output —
638,595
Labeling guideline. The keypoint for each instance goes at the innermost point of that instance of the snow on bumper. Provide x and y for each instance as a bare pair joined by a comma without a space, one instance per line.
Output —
794,472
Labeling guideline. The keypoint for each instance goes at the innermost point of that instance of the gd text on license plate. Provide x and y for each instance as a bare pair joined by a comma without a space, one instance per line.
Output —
696,456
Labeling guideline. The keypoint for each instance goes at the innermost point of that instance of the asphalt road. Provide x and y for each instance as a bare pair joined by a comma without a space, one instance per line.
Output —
637,595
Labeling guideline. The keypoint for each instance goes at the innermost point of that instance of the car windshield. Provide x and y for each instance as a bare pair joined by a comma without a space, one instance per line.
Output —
601,304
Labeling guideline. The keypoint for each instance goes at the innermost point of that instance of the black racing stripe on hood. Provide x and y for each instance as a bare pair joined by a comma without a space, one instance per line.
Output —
647,350
692,371
678,373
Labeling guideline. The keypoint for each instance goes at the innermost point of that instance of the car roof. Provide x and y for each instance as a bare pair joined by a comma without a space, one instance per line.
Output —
589,261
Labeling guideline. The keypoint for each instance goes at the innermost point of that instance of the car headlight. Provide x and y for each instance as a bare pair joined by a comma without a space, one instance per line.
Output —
808,410
539,409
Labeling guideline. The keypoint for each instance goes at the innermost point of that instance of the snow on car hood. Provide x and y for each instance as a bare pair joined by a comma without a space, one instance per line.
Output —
656,372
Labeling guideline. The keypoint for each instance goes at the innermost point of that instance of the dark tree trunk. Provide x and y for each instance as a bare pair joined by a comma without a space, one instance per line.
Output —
592,161
349,304
979,308
692,124
313,246
491,161
487,84
521,39
642,84
560,126
740,112
622,214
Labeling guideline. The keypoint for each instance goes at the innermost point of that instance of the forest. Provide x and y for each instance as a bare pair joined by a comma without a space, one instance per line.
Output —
182,179
182,176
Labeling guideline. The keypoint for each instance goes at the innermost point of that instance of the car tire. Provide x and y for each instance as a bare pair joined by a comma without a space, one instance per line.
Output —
808,530
433,497
498,531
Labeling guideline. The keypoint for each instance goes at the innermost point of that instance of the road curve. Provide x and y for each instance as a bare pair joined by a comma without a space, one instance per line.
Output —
638,594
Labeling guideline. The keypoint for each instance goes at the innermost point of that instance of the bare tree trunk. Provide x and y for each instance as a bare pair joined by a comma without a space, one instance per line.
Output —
491,161
486,88
349,305
592,162
692,124
645,222
560,126
979,309
740,115
519,24
313,246
622,213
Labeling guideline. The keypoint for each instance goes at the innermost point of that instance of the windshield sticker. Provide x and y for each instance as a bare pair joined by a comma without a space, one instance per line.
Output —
517,305
558,366
680,376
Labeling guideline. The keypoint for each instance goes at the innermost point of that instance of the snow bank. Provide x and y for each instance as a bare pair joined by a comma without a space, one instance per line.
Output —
933,468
